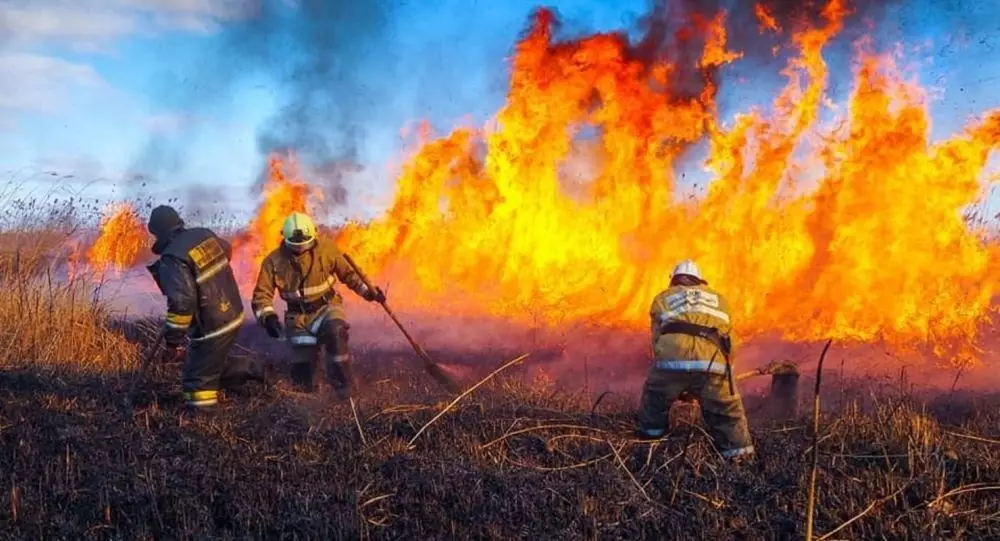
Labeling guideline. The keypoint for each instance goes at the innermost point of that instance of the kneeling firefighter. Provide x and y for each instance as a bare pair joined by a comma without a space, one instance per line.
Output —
203,299
692,347
304,270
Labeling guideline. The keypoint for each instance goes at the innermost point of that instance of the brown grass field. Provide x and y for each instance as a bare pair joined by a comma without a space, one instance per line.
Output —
516,459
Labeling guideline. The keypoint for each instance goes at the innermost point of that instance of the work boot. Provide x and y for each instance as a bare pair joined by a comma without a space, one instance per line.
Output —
243,373
341,377
302,377
260,372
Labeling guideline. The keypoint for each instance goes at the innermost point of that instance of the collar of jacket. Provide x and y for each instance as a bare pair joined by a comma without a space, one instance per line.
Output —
161,243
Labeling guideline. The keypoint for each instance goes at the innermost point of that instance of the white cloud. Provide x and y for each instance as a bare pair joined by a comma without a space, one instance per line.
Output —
37,83
37,25
95,24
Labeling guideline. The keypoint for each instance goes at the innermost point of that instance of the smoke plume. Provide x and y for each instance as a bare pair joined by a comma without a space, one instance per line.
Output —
314,53
324,60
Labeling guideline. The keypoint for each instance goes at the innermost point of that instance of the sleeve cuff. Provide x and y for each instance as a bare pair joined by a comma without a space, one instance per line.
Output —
264,312
178,321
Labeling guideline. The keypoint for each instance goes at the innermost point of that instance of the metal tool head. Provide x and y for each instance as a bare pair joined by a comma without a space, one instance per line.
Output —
784,393
783,396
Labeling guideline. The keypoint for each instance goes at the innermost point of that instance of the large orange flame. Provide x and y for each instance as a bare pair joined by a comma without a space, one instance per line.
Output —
283,193
852,233
122,238
566,208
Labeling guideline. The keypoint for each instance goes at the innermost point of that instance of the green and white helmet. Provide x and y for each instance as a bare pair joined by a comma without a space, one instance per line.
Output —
299,232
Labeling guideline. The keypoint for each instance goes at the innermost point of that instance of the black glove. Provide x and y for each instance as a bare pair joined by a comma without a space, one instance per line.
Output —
272,326
374,295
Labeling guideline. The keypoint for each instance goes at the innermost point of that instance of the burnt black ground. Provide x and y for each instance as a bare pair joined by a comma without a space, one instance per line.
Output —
274,464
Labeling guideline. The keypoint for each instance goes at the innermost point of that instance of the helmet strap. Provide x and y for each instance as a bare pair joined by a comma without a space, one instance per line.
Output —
300,248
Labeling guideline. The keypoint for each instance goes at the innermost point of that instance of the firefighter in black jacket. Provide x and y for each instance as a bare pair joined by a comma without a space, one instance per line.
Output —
203,298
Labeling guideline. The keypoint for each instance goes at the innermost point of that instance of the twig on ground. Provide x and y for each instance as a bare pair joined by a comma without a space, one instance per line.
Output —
718,504
357,422
549,469
668,462
376,499
402,408
464,394
635,481
785,429
537,428
971,437
975,487
866,510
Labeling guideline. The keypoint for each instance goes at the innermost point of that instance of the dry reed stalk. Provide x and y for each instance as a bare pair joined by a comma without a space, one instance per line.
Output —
635,481
864,512
811,505
357,422
537,428
463,395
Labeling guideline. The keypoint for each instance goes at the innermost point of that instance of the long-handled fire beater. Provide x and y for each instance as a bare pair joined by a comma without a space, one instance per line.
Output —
430,366
783,395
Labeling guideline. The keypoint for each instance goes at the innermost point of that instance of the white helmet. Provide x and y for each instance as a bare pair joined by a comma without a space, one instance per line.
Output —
688,268
299,232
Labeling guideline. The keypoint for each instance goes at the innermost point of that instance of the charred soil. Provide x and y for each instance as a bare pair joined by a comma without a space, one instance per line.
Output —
516,459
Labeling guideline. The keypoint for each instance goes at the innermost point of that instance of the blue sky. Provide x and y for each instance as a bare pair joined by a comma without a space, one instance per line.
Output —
87,85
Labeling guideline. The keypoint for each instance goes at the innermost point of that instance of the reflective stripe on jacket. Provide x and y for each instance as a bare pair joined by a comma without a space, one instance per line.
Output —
202,294
303,279
699,305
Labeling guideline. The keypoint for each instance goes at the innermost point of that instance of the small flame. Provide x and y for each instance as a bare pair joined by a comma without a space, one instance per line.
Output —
767,21
715,53
122,238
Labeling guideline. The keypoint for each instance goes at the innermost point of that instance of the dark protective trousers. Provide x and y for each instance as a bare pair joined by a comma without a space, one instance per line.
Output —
722,412
332,335
208,368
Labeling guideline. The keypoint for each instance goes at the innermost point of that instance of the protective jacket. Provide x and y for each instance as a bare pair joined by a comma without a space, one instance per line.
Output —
691,330
306,282
203,297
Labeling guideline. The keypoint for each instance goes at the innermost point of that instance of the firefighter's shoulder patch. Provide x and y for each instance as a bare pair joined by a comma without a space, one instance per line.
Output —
206,252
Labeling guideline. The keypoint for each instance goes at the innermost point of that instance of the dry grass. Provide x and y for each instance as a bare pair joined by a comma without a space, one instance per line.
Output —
516,459
500,465
50,318
508,462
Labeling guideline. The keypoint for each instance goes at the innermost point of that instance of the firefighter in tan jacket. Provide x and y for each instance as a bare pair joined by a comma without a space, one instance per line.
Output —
691,328
304,270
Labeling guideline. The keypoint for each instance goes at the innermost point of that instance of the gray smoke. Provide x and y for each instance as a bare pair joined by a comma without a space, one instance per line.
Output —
313,52
325,57
673,31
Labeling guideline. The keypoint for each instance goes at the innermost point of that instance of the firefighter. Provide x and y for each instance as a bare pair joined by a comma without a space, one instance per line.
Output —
203,300
304,270
692,349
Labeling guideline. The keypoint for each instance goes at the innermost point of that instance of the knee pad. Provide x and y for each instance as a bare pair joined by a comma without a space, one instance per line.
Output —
338,332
